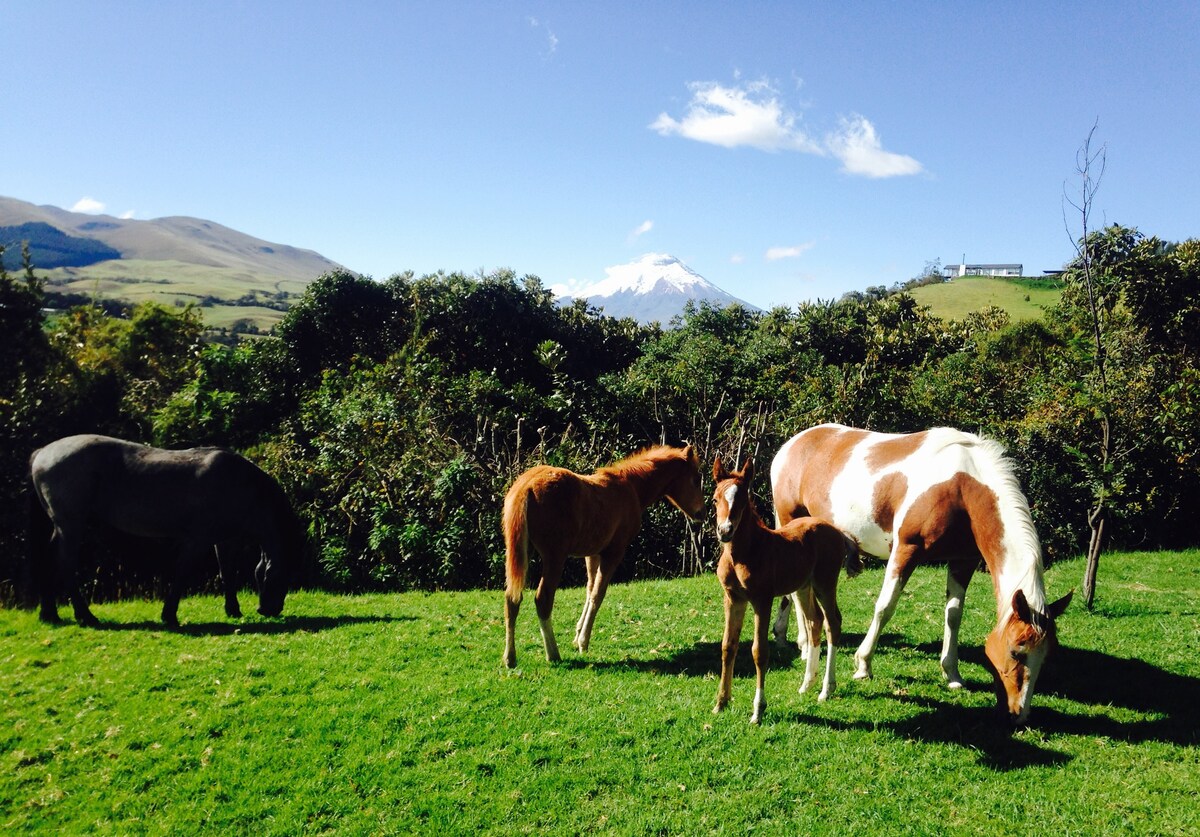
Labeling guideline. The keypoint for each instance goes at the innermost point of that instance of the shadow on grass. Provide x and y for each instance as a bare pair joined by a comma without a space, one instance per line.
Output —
1097,682
282,625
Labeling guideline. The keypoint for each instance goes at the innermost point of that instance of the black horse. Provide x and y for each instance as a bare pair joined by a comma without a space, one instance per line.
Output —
198,497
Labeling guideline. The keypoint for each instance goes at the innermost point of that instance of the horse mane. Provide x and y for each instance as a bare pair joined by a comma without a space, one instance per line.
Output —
642,462
999,472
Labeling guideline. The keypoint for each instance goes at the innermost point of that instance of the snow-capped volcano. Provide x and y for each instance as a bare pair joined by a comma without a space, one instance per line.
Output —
653,288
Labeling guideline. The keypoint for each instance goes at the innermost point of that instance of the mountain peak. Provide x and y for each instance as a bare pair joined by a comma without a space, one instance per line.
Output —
654,287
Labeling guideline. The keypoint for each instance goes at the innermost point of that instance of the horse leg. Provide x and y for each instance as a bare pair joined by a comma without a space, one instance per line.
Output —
810,630
592,562
48,571
787,606
896,575
609,561
68,567
958,576
735,614
762,656
229,582
552,568
779,628
511,608
827,598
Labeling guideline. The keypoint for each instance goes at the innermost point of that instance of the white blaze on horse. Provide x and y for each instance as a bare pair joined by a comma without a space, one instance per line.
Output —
940,495
801,559
560,513
198,498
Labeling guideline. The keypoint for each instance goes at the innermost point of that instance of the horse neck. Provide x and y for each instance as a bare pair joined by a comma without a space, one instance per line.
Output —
1015,562
744,546
650,483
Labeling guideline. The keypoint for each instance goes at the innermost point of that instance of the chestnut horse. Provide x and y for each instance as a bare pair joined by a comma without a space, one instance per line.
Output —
561,513
801,559
940,495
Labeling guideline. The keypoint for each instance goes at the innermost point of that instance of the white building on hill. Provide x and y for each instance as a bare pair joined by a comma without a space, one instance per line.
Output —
951,271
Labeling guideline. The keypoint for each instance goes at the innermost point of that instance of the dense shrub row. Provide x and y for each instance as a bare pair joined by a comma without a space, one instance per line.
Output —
395,413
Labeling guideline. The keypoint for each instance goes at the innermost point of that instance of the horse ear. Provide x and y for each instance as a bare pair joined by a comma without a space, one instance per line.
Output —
748,470
1021,607
1056,610
718,471
689,453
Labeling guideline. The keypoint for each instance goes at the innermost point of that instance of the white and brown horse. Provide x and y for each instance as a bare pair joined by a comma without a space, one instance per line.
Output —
940,495
801,559
561,513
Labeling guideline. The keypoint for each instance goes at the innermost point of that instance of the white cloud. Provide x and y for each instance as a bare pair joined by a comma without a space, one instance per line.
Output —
737,258
90,206
730,117
857,145
551,38
641,230
752,114
127,214
774,254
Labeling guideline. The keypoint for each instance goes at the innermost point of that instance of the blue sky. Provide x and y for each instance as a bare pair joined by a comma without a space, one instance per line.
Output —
785,151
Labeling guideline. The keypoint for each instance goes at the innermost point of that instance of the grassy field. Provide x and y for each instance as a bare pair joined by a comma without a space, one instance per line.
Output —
392,714
954,300
173,283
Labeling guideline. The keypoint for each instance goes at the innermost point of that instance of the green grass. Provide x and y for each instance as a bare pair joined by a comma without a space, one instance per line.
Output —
392,714
1023,300
178,283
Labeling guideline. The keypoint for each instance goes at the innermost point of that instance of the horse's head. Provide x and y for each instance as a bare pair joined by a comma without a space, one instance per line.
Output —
274,570
732,496
684,490
1017,648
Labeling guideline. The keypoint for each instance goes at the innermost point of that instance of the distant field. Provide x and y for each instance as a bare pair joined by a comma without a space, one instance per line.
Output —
173,283
1023,300
224,316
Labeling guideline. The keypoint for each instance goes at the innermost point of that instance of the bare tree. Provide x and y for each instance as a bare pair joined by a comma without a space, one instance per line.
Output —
1089,167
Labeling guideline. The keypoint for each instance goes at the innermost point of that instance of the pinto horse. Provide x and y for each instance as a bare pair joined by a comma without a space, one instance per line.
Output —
940,495
561,513
198,497
757,564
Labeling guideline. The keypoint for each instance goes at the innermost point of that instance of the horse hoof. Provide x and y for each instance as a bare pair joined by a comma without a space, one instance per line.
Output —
824,696
756,719
954,684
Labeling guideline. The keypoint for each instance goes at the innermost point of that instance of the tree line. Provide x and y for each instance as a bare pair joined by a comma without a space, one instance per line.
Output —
395,413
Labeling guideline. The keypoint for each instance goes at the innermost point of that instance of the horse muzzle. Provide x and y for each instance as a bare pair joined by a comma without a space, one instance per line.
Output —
725,532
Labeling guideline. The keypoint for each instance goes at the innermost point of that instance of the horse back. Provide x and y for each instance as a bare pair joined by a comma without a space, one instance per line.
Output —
932,489
206,494
574,514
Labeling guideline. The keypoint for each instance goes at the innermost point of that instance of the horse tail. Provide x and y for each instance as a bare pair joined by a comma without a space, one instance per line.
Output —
516,543
852,560
39,575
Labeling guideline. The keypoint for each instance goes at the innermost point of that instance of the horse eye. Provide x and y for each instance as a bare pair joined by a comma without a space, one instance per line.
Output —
1019,656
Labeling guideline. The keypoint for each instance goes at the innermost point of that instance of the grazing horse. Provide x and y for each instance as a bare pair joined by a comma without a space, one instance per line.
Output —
561,513
801,559
197,497
940,495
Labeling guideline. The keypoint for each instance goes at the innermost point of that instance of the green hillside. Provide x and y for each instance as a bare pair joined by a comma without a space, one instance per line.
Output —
1023,299
224,295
